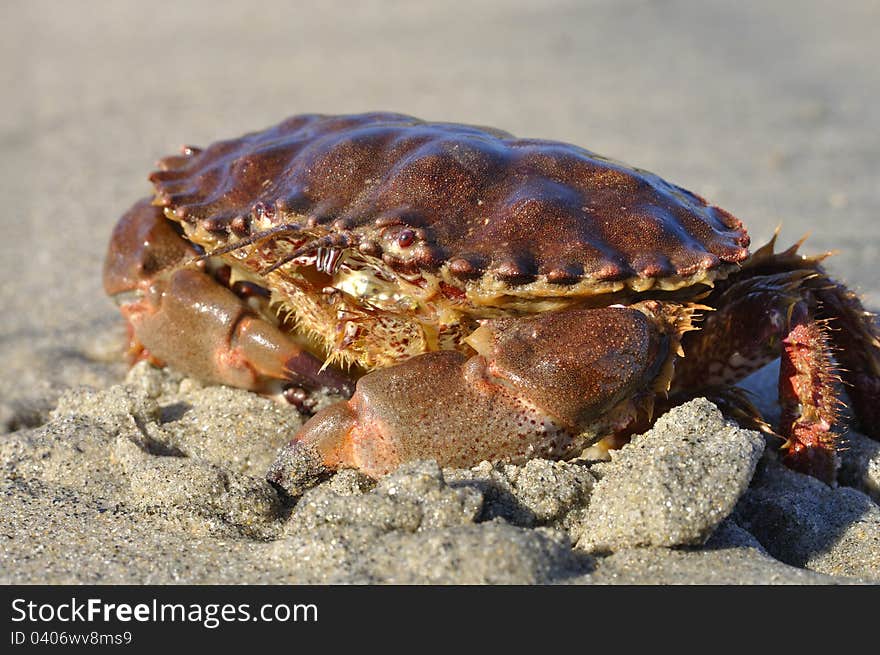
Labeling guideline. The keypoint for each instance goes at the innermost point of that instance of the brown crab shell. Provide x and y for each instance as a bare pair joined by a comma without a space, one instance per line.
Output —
473,206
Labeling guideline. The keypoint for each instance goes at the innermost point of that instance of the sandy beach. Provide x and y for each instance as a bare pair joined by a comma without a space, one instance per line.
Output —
145,476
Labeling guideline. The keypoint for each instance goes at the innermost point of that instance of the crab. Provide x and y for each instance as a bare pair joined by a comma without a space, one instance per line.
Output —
473,296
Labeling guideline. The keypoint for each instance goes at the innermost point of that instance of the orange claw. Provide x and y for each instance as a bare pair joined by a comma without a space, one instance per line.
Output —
181,315
542,386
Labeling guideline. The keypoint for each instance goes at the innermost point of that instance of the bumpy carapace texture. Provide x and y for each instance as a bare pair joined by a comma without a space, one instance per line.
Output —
429,196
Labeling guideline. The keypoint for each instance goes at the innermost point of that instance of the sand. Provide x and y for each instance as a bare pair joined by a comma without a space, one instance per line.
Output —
162,480
112,476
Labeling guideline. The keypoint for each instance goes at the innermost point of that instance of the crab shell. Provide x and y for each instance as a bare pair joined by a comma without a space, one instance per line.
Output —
413,231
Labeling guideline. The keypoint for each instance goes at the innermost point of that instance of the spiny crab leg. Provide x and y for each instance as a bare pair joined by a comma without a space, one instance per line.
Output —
785,305
745,332
844,329
762,316
855,337
540,386
179,313
809,401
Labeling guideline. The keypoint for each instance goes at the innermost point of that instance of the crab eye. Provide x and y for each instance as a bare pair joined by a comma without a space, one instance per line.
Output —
406,238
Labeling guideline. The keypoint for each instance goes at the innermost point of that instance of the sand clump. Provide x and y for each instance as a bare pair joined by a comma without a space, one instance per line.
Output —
860,464
414,527
161,479
674,484
802,522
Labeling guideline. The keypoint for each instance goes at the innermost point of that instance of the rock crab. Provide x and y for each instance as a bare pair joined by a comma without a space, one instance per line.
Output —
492,297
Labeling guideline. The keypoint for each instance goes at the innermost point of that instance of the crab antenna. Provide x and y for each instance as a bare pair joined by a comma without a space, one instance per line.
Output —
343,240
257,236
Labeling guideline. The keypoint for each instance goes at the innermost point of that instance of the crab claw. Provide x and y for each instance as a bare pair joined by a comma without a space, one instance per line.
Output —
542,386
179,313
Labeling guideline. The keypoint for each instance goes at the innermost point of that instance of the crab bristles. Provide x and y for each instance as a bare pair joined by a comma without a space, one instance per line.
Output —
809,402
675,320
855,333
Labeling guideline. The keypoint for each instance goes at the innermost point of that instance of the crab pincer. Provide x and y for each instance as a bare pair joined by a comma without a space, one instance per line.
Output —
541,386
179,312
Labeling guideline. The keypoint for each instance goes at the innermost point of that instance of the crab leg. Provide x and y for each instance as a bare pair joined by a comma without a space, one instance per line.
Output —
855,337
542,386
745,332
784,305
809,401
179,314
759,318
